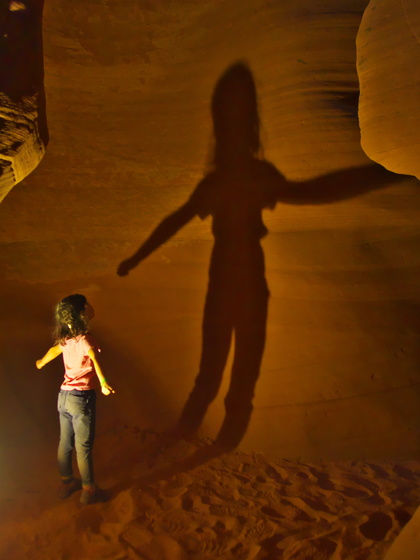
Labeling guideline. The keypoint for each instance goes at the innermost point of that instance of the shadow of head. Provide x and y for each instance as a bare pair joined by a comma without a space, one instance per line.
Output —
235,114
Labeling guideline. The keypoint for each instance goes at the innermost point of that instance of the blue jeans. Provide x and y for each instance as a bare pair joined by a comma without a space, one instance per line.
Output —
77,413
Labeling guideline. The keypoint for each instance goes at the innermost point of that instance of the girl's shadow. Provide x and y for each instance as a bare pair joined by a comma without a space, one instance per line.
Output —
240,185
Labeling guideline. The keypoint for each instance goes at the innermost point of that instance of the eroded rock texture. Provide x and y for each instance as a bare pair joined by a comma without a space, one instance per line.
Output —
388,61
23,133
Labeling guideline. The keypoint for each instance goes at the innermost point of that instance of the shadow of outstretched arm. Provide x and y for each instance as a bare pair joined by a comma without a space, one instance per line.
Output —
337,186
164,231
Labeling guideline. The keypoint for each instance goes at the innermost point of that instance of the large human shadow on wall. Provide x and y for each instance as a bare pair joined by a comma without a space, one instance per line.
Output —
234,193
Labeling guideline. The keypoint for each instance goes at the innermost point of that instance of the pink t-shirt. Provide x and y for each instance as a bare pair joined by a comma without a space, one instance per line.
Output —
79,369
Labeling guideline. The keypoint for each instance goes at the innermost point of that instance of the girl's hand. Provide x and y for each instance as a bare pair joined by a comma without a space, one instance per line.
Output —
107,389
39,364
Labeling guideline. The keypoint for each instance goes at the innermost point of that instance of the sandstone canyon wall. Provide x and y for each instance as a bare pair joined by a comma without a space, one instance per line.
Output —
129,87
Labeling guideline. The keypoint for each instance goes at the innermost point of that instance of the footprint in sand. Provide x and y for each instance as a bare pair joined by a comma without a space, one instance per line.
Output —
354,493
317,504
377,526
402,516
376,496
323,479
285,509
277,473
258,529
403,472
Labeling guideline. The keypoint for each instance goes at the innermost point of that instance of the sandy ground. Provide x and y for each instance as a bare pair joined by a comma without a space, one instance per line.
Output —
176,499
129,89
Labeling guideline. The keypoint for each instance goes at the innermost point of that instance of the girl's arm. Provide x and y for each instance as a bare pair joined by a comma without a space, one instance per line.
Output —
105,388
52,353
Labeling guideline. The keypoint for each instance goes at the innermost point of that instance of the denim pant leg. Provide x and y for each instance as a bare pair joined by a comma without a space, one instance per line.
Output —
66,445
83,409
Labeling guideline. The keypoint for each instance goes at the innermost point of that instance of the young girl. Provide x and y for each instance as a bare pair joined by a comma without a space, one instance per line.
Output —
77,397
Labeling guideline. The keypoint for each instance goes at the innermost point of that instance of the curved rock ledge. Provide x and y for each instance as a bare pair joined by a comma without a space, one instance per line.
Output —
23,130
22,147
388,55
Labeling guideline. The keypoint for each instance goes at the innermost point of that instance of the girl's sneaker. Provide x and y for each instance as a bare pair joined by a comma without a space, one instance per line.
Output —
66,489
93,496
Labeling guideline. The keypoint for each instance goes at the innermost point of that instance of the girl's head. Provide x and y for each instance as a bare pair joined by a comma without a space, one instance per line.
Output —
71,317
